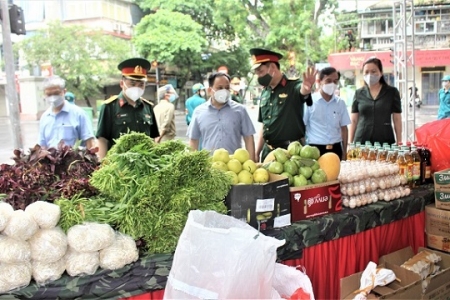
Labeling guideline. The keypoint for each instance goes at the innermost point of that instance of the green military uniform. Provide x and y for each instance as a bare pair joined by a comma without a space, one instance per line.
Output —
281,112
118,117
281,108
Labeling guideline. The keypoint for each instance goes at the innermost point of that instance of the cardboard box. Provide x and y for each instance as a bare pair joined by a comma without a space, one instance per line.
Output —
437,221
438,242
315,200
409,286
437,283
442,179
442,197
261,205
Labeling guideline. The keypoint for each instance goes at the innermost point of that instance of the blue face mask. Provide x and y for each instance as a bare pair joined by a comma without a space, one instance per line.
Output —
172,98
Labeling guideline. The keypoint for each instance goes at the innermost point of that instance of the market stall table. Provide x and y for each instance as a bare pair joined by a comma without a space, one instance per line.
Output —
329,247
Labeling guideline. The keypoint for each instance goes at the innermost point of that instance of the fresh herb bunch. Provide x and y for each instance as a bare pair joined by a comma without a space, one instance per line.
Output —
149,191
47,174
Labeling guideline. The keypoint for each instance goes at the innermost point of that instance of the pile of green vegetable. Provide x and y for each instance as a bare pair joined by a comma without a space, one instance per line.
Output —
147,190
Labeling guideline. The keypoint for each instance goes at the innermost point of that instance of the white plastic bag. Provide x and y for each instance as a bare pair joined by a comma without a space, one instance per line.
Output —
287,280
90,237
45,214
44,273
14,251
20,226
48,245
122,252
81,263
5,212
220,257
14,276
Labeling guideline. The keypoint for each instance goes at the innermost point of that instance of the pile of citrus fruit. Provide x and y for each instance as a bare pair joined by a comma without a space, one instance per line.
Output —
239,166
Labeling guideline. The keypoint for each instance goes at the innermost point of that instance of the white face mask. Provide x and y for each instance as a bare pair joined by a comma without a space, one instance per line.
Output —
202,93
329,88
55,100
371,79
134,92
445,85
222,96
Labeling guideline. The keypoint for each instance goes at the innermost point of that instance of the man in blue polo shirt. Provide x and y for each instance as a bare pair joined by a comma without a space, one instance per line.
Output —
62,121
327,119
221,123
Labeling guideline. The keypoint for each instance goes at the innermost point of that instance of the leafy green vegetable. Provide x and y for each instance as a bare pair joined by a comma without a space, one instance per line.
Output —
148,191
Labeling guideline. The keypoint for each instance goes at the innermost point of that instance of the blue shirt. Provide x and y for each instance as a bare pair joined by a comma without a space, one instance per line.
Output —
221,128
444,104
70,124
191,104
324,120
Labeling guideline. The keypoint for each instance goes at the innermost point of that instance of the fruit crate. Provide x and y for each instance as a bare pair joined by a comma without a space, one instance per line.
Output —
264,206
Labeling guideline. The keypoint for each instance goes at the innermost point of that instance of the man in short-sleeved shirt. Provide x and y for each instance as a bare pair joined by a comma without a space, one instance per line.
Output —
127,111
63,121
281,104
220,122
327,119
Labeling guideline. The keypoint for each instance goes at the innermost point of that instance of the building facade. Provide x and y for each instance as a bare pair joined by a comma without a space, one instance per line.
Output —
375,35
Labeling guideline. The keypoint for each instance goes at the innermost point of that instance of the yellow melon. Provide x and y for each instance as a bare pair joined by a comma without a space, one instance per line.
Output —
331,164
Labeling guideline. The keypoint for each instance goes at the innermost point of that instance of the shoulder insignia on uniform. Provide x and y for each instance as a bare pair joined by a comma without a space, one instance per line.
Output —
147,101
110,99
293,78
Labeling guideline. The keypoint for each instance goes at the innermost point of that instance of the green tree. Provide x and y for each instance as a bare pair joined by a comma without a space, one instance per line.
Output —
86,59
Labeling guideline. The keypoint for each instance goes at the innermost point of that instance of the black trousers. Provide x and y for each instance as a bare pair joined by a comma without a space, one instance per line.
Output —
335,148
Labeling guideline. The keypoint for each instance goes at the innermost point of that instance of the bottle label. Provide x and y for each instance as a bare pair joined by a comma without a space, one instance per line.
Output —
416,171
427,172
409,172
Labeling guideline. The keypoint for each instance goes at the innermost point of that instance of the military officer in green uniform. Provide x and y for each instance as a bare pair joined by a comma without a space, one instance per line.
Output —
127,111
282,102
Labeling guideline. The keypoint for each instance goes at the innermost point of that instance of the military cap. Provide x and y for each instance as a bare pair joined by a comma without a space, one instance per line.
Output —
134,68
69,97
260,56
446,78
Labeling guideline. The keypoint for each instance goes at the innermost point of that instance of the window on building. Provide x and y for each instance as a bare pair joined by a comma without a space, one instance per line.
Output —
431,83
81,9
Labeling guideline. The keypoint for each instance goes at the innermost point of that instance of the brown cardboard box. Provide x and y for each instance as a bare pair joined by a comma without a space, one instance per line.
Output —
442,179
438,282
408,286
315,200
437,221
265,205
438,242
442,197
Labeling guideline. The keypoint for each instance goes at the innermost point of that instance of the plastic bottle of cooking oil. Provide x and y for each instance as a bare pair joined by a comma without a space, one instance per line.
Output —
381,154
402,165
351,152
409,165
371,154
392,156
357,151
363,153
416,166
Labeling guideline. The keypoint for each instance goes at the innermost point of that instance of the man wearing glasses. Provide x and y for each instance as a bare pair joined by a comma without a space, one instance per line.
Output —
127,111
282,102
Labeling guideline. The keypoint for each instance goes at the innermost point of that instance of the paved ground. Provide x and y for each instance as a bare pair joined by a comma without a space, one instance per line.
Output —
30,129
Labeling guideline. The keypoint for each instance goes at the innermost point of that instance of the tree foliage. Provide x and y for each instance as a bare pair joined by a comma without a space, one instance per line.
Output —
230,28
86,59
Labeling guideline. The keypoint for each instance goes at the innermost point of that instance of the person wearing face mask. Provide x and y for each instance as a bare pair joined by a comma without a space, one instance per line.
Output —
236,89
444,99
376,106
197,98
327,119
165,113
127,111
281,103
221,123
63,121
